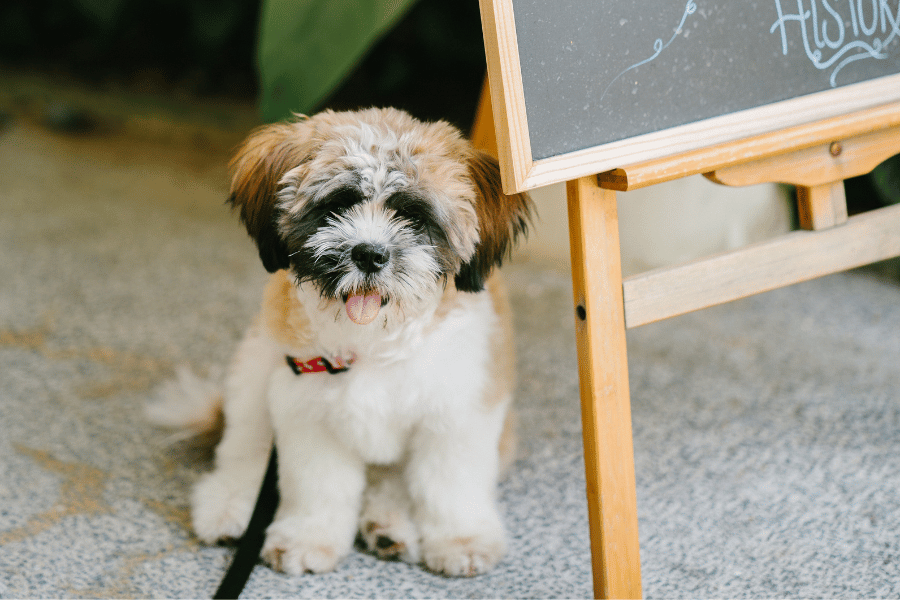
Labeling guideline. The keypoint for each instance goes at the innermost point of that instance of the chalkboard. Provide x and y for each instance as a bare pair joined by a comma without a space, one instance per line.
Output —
593,84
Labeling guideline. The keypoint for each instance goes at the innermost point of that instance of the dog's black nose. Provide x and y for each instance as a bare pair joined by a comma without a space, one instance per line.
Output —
370,258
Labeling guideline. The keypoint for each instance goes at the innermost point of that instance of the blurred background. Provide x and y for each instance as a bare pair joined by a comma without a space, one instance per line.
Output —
425,56
212,69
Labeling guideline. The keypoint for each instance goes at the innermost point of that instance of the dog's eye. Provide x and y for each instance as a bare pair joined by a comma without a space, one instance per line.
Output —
412,218
340,200
411,208
334,204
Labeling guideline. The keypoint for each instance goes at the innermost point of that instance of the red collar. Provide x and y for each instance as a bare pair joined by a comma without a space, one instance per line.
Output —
320,364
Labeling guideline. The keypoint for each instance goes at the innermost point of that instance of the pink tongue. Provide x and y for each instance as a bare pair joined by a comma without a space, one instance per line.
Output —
362,309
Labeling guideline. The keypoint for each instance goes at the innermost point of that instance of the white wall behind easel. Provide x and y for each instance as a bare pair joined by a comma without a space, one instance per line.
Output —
668,223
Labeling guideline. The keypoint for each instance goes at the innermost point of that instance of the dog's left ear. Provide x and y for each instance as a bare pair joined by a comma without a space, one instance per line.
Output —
260,163
501,220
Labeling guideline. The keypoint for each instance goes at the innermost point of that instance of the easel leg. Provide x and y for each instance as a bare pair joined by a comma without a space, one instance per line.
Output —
483,136
822,206
605,402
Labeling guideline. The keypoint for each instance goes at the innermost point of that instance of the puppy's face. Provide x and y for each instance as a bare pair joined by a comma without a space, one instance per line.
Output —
374,207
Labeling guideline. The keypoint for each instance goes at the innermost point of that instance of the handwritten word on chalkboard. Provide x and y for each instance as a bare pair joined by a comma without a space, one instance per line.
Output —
595,72
836,34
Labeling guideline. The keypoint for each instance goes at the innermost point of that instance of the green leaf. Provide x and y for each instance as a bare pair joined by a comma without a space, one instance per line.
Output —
307,47
104,13
886,179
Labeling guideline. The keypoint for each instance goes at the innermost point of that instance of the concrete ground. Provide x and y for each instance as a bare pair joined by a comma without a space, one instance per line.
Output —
766,431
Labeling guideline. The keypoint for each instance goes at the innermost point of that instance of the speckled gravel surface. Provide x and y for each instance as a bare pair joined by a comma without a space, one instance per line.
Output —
766,431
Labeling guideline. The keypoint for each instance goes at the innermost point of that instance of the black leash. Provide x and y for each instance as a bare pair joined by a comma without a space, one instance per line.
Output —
251,543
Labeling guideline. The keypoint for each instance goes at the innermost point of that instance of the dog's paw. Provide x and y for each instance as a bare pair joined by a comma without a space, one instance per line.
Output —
464,556
218,512
392,538
287,551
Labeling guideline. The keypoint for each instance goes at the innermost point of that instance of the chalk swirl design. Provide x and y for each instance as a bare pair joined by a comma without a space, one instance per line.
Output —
658,46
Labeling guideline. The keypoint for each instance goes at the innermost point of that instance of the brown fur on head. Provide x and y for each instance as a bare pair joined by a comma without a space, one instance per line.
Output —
293,180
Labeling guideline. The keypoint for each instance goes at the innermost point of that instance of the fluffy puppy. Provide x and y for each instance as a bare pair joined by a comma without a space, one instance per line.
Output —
382,360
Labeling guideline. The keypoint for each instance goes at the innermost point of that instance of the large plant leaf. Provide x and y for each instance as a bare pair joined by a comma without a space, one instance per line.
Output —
307,47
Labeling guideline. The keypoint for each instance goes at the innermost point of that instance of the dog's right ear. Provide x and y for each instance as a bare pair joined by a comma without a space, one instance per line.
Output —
260,163
502,219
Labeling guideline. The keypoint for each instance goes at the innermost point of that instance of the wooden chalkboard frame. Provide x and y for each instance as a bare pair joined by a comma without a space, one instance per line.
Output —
521,172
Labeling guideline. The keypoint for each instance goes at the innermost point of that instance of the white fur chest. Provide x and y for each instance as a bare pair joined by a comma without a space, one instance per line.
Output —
401,381
369,410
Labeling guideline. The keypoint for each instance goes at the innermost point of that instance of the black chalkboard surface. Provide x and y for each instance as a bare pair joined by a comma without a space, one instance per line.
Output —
598,73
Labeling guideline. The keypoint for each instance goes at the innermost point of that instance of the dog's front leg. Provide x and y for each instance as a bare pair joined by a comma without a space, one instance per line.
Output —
223,499
452,477
321,481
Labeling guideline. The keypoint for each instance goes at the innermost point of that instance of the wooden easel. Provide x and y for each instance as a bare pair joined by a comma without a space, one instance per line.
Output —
816,158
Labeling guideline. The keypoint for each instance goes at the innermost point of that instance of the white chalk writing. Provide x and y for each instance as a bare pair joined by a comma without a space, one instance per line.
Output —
844,29
658,45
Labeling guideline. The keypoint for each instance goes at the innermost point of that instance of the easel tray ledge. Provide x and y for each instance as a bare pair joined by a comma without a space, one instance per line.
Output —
715,143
